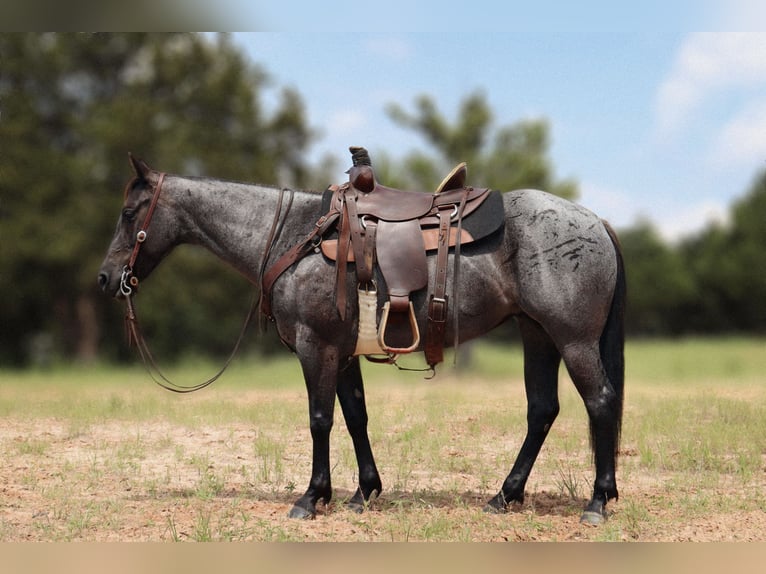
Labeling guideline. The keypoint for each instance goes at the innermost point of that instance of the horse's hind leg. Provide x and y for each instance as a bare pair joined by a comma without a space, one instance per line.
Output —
541,366
351,397
604,407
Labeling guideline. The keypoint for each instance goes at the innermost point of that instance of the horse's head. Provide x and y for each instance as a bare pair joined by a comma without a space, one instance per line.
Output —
144,234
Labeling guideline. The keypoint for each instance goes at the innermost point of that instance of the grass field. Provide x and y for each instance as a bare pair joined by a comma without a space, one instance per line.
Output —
103,454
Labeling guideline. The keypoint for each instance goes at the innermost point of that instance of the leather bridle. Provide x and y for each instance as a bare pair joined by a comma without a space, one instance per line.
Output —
128,283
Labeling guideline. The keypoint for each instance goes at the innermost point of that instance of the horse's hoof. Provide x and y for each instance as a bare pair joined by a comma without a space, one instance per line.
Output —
301,513
356,507
494,506
592,518
500,504
358,504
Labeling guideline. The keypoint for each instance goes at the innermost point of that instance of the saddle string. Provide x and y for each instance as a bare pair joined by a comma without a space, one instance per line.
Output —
455,278
135,337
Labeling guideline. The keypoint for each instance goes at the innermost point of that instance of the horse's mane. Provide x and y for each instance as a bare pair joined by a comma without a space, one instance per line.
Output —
131,185
205,178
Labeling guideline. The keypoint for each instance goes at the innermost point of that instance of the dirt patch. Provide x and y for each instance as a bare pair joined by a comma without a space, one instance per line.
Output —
160,481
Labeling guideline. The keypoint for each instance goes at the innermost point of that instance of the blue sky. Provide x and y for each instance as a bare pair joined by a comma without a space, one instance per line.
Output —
668,126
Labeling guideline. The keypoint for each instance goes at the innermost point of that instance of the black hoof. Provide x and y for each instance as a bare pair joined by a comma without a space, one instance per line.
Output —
595,513
496,506
491,509
356,507
592,518
301,513
358,504
500,504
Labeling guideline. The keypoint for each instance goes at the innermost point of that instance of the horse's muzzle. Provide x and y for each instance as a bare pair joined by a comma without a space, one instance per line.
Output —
108,285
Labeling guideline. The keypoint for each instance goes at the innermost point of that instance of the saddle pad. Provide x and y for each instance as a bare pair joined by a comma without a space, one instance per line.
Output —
481,223
487,219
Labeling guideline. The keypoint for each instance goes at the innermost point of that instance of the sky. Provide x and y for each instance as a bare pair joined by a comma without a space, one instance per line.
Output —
667,126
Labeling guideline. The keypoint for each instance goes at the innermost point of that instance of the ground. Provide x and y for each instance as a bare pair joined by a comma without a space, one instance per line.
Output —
160,481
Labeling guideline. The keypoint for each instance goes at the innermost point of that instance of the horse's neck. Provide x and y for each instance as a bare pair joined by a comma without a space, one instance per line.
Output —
233,220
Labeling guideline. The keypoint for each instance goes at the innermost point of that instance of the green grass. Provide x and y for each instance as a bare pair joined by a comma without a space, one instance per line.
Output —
688,360
191,467
696,361
84,395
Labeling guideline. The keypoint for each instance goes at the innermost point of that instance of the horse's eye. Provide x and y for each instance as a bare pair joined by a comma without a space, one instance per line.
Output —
128,215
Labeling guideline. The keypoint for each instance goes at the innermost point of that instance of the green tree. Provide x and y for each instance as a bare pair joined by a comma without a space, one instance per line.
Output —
508,157
660,287
73,105
729,265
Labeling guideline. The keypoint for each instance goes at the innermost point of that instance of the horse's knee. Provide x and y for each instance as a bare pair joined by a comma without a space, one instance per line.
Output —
320,424
542,415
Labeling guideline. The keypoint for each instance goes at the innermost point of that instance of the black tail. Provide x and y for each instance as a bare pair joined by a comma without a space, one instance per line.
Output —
612,342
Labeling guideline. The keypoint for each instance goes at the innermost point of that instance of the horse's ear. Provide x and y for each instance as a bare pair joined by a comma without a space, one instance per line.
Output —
140,167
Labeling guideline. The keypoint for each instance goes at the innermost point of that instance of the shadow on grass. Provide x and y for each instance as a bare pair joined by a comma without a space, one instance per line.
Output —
538,503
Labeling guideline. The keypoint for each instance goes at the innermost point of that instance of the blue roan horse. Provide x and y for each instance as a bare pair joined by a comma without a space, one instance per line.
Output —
554,266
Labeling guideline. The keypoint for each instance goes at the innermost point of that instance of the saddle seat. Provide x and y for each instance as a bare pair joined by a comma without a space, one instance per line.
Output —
396,205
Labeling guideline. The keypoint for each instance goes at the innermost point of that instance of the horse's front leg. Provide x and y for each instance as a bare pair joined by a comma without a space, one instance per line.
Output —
320,370
351,398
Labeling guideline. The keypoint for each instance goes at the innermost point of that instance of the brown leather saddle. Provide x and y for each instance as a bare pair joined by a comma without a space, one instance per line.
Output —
368,224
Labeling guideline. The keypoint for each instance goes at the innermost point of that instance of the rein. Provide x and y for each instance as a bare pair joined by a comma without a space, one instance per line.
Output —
128,283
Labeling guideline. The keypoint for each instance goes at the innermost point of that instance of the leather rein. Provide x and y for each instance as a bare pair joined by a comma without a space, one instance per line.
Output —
129,282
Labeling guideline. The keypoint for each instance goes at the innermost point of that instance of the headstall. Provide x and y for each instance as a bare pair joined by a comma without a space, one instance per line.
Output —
128,281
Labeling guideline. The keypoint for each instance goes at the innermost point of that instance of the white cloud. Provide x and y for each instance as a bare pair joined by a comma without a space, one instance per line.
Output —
673,220
707,64
742,141
346,122
742,15
673,225
614,205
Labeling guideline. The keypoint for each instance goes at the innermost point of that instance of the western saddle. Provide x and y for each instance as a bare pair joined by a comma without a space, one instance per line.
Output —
369,224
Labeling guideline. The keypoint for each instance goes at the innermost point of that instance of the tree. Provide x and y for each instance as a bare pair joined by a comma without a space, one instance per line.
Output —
73,105
729,265
660,287
510,157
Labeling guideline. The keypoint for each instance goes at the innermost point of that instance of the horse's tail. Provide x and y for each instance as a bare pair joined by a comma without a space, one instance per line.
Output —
612,342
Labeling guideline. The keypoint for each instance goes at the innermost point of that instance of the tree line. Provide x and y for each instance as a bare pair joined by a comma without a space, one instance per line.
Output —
711,283
73,105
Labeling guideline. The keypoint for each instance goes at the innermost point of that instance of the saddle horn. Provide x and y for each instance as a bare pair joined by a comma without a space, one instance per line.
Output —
361,175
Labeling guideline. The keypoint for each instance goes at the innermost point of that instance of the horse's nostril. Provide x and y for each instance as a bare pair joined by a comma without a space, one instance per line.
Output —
103,280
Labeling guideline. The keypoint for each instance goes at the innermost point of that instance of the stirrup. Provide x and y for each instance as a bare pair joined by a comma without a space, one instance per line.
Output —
413,327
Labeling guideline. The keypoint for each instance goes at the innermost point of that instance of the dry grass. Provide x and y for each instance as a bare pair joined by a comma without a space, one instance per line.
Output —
105,455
